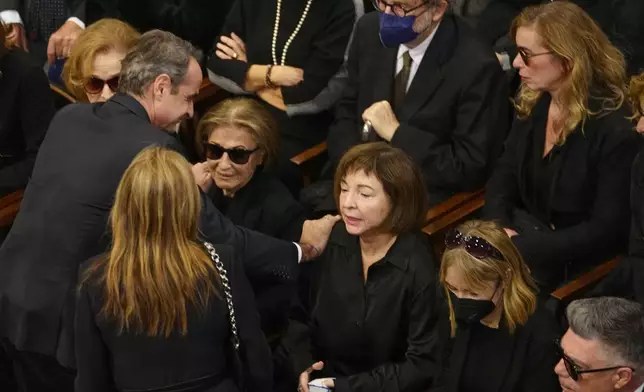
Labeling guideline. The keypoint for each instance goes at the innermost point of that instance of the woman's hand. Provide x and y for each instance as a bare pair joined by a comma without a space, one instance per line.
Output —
203,178
304,377
511,233
285,76
231,48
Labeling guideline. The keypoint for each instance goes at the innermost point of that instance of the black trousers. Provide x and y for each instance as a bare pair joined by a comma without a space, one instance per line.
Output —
33,372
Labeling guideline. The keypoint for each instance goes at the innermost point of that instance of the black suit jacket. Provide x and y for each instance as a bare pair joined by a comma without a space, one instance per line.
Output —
587,217
524,361
26,108
63,220
108,358
455,114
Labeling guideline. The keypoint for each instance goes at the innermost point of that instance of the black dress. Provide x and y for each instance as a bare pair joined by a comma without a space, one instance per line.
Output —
26,108
110,360
373,335
571,209
266,206
318,48
483,359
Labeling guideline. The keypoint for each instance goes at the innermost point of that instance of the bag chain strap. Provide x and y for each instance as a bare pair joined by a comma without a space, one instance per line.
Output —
227,292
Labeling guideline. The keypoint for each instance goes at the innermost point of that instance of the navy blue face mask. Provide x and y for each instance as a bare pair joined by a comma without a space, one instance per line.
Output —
396,30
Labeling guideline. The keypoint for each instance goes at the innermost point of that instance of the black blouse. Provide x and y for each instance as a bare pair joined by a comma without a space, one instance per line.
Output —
373,335
318,49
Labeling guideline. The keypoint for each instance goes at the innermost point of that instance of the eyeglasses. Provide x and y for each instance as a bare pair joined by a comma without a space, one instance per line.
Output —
525,56
396,8
237,155
95,85
475,246
573,369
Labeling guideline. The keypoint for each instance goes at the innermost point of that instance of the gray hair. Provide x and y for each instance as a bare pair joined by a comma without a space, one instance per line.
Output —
157,53
617,323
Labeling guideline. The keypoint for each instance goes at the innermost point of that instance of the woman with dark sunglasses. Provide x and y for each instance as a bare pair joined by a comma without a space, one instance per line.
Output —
91,73
561,188
493,335
238,139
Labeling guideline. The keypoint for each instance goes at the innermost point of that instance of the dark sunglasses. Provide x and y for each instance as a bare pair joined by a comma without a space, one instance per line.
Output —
475,246
525,56
237,155
95,85
396,8
573,369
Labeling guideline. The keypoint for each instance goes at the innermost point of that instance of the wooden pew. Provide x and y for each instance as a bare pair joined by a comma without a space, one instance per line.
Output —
580,286
62,96
310,162
9,206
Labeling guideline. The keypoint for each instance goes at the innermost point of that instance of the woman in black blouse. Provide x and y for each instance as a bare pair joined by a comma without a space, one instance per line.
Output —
371,305
239,140
152,314
493,336
26,108
561,189
289,54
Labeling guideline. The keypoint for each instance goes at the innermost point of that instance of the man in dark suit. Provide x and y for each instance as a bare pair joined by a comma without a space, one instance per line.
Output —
65,209
426,85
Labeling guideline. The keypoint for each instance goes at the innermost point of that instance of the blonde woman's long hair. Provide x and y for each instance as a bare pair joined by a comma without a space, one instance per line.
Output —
594,66
156,267
520,294
636,95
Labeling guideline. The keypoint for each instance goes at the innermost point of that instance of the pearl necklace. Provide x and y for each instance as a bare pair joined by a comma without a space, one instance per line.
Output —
292,37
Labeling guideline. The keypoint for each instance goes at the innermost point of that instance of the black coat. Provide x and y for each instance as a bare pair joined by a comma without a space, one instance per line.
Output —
63,219
26,108
263,205
455,114
523,361
586,218
110,360
373,334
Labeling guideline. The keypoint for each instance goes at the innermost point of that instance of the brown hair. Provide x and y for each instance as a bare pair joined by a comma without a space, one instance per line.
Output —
636,94
100,37
400,177
156,267
520,295
593,64
244,113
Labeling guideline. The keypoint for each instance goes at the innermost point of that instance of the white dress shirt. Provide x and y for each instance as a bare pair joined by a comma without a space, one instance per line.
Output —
416,54
12,16
640,389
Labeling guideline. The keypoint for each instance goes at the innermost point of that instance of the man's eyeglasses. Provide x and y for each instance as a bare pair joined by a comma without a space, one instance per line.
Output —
475,246
396,8
525,56
573,369
237,155
95,85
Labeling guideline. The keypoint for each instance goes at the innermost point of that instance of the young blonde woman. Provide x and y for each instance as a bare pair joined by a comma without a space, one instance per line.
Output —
561,189
493,335
152,312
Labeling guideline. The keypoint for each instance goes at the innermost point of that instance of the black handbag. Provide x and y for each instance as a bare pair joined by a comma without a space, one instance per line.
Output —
236,354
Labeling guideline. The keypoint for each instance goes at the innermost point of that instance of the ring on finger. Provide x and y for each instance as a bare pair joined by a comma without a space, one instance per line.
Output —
235,55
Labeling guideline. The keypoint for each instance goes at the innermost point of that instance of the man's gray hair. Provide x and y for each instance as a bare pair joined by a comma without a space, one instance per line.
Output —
157,52
617,323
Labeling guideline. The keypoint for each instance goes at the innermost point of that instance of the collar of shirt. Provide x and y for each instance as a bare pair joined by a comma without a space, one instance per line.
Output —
416,54
398,254
640,389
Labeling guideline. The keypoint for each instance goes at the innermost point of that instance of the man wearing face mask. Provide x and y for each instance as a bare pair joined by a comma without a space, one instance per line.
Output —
423,82
493,336
64,213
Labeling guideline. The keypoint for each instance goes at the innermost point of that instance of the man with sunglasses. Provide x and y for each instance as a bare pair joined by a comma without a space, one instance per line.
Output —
603,349
419,78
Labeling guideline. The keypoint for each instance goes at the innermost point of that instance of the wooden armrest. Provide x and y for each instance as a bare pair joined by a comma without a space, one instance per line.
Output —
9,206
62,93
206,90
309,154
453,210
579,285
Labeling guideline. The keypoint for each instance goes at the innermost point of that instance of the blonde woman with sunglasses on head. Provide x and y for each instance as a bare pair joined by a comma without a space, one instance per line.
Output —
493,337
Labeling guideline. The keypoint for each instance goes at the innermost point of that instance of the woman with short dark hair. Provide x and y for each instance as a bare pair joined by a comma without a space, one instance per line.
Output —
371,302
